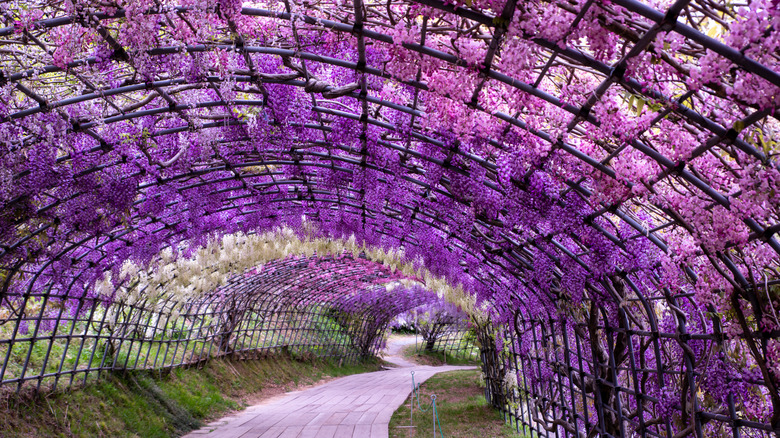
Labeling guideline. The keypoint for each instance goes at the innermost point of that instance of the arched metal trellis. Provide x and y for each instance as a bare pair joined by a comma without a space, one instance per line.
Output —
602,176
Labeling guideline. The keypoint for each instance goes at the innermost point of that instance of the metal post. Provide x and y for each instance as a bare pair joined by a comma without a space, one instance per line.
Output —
411,404
433,403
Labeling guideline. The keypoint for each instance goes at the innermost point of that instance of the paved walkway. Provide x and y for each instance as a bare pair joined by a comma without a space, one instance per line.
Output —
358,406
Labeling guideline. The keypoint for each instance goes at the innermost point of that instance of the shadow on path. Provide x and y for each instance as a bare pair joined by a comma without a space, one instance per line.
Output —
357,406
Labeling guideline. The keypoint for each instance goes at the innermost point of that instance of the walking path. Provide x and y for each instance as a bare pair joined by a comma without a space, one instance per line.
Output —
358,406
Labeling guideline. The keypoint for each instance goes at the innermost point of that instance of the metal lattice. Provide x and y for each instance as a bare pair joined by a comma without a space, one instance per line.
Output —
624,264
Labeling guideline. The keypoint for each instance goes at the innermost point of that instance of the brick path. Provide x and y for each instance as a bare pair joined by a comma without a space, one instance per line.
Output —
358,406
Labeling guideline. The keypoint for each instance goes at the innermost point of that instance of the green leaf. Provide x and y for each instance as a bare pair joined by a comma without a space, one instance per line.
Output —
760,137
640,104
738,126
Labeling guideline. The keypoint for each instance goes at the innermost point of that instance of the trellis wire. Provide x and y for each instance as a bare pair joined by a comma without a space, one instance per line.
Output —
276,321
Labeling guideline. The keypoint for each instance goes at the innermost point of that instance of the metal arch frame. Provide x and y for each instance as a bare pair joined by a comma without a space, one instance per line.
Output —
374,213
438,191
613,75
548,254
165,225
663,22
287,182
622,215
158,351
720,132
759,233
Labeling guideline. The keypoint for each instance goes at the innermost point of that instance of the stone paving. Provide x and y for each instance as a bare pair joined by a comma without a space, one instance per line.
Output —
357,406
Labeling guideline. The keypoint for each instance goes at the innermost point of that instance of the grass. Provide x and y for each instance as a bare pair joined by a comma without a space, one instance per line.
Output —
461,406
160,404
418,354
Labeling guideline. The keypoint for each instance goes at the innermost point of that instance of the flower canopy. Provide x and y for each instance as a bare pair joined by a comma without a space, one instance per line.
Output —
601,175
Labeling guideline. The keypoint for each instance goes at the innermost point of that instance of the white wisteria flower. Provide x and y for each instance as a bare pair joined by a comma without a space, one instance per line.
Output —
175,278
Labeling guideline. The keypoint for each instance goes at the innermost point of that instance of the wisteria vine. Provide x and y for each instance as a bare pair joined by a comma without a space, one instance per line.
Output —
600,173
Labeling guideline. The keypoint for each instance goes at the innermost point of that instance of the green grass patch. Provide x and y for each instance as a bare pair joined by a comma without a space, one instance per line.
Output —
461,406
161,403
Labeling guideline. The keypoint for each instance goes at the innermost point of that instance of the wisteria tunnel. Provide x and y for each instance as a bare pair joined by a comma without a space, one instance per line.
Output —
593,183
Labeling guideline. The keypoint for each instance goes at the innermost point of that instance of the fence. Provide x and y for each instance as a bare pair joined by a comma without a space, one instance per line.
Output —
456,342
287,308
651,367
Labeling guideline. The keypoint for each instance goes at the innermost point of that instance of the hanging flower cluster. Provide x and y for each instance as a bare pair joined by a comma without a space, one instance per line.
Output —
180,278
537,158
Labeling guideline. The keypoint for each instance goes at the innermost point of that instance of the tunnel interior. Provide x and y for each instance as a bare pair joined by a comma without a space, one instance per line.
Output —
595,183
